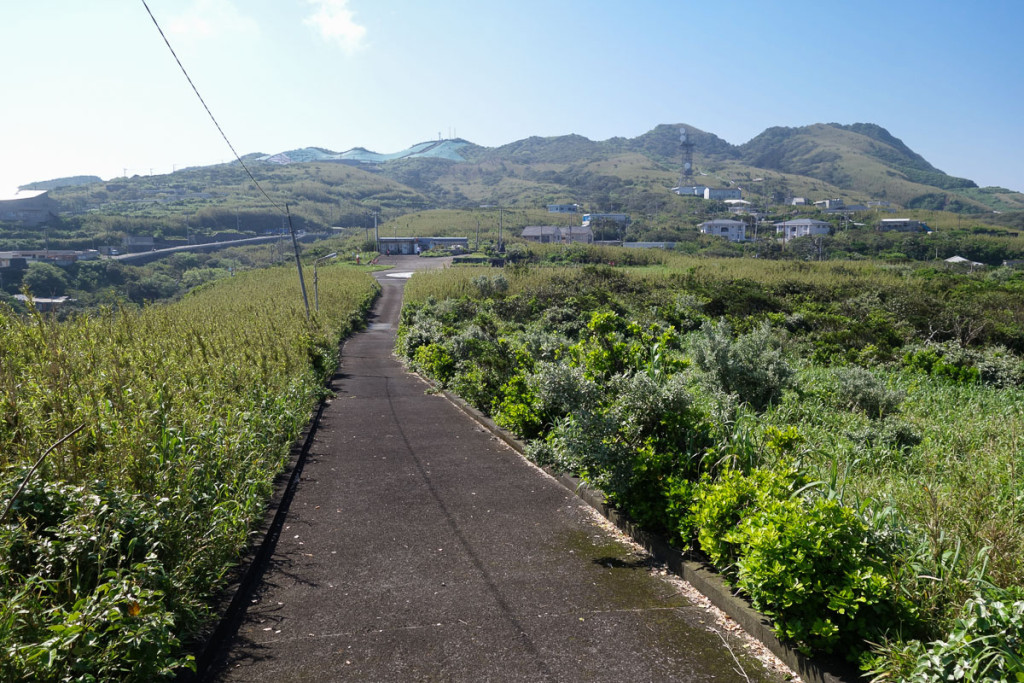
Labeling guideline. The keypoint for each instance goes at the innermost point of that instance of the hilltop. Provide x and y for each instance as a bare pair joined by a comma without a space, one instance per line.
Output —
441,149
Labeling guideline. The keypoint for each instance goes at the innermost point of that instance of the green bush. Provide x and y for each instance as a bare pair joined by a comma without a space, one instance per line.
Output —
932,360
560,389
435,360
809,566
419,327
889,432
752,366
515,408
860,389
490,286
91,563
995,365
719,506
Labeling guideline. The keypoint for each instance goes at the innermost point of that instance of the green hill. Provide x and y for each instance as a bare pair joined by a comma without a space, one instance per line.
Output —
862,159
859,162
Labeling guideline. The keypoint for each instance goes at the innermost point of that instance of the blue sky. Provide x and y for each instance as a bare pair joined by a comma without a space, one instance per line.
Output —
90,87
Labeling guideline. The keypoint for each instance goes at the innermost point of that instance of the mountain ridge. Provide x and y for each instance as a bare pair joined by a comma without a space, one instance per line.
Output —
857,162
862,160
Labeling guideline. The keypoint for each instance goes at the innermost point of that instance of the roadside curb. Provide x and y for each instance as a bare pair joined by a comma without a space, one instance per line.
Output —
689,565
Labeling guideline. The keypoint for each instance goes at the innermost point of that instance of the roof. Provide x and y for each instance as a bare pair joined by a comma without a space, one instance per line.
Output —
801,221
21,194
44,299
723,222
961,259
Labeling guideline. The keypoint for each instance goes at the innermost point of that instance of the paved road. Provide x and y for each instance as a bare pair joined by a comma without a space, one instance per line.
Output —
418,547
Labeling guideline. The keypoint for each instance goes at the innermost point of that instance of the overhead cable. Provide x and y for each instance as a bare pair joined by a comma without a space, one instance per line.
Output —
212,117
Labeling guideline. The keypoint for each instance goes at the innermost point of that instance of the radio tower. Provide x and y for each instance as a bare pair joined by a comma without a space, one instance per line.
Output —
687,149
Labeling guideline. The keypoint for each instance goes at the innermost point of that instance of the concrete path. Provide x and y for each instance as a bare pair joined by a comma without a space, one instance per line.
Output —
419,547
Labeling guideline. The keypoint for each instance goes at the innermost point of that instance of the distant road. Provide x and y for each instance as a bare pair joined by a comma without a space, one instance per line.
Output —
155,254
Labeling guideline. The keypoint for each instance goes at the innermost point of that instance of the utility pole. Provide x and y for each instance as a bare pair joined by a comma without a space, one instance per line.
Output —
376,234
298,261
501,216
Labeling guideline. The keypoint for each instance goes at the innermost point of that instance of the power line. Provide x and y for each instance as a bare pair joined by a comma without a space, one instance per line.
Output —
212,117
291,228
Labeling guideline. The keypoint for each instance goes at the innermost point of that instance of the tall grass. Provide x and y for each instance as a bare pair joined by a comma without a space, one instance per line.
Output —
960,475
188,411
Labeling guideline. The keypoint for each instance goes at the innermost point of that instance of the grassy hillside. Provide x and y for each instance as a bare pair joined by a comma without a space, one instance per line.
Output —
866,160
858,162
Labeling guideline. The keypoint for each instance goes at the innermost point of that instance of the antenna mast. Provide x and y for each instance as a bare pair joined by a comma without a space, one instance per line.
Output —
687,152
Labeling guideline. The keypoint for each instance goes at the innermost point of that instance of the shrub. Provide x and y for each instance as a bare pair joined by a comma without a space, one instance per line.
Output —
644,408
515,408
93,559
719,507
435,360
541,344
861,389
889,432
603,350
419,328
490,286
1000,367
995,365
561,389
809,567
477,385
752,366
582,443
686,312
931,360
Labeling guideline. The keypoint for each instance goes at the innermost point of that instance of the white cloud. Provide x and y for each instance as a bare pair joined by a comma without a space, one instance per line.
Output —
211,19
334,20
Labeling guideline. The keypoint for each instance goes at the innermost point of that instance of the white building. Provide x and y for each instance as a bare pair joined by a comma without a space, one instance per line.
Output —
690,190
830,204
57,257
802,227
722,193
734,231
563,208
